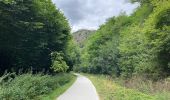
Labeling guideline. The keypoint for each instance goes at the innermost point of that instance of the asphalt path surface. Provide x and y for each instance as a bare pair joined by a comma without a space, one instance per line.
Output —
82,89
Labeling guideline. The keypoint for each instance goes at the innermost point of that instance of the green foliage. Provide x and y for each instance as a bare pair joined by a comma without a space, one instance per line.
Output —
140,1
72,55
132,45
58,63
102,48
30,30
58,91
29,87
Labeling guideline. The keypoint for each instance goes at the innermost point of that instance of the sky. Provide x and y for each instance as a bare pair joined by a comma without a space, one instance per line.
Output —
90,14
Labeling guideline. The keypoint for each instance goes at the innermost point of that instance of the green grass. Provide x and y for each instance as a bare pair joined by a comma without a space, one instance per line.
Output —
57,92
109,90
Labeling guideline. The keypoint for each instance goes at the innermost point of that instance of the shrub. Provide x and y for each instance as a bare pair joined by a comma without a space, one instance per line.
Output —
58,63
29,87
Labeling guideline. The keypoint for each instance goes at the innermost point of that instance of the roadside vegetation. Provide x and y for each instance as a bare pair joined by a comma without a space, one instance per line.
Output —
33,87
60,90
134,45
115,89
133,51
131,45
35,37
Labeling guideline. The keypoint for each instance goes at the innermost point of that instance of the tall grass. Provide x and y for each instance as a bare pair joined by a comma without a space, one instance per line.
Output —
29,86
159,88
137,88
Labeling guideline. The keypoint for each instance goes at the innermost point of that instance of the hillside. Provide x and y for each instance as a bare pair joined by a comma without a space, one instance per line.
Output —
136,44
81,35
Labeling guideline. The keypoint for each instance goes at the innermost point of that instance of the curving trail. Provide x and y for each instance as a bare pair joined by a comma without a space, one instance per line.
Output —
82,89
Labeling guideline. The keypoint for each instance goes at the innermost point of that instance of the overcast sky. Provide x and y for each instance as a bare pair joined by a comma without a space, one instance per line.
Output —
90,14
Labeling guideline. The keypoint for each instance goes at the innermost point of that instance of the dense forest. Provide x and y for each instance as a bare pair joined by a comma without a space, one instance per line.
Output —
138,44
33,35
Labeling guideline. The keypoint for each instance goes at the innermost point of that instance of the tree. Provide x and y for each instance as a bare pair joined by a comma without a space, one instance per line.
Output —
132,45
30,30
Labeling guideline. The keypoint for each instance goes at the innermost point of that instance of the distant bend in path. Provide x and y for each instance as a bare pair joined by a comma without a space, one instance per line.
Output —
82,89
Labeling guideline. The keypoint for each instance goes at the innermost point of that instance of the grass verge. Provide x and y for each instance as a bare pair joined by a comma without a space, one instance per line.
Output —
57,92
109,90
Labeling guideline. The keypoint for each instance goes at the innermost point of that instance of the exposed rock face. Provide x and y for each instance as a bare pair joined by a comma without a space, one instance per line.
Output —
82,35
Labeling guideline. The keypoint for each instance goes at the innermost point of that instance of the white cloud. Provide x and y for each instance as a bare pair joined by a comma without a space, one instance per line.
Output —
90,14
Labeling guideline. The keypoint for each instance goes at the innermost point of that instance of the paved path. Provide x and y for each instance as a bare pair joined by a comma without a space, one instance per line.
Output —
82,89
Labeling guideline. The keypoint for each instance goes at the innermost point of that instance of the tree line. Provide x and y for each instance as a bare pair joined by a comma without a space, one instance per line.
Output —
34,35
138,44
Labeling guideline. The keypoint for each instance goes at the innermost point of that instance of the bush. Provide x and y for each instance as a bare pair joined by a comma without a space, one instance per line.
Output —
29,87
58,63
